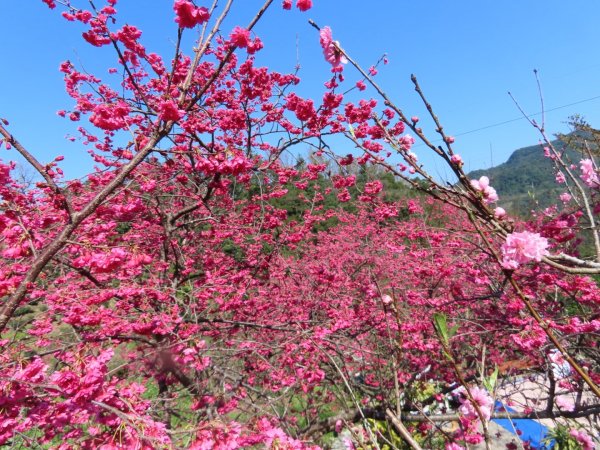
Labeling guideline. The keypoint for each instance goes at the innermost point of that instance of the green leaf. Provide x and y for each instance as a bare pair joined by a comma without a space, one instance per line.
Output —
490,382
441,327
452,331
351,128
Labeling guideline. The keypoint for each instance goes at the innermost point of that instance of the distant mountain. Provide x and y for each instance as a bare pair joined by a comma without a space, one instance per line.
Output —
526,181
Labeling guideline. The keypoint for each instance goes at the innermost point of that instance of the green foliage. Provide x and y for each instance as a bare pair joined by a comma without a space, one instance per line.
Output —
442,330
563,440
230,248
490,382
527,180
296,204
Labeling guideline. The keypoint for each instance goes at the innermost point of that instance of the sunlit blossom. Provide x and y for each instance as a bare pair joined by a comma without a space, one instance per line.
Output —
483,185
588,172
331,49
521,248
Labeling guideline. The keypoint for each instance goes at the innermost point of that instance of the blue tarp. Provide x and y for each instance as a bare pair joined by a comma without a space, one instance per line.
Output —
528,430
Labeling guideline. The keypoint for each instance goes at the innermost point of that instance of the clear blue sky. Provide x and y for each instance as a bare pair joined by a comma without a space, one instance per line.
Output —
466,54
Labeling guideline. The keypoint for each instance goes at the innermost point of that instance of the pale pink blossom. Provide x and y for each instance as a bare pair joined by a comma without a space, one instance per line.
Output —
583,438
499,213
560,178
331,50
565,403
456,159
348,445
483,185
386,299
453,446
482,399
565,197
521,248
588,172
406,141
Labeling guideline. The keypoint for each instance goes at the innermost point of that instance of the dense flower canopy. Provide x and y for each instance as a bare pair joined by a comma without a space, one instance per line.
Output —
224,279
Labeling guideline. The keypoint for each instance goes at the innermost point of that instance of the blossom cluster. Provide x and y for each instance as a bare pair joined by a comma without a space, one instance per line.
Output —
483,186
521,248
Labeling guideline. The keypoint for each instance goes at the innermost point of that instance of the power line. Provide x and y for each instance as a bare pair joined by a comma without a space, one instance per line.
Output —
520,118
530,115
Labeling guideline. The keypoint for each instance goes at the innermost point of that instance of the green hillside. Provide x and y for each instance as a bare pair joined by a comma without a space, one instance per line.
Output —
526,181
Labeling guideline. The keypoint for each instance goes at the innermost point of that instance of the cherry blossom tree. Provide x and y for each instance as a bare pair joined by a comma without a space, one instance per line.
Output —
169,299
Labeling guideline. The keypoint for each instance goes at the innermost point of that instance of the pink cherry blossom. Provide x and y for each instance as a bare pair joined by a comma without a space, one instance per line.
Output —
188,15
304,5
583,438
588,172
456,160
565,403
499,212
483,185
521,248
483,400
453,446
331,50
406,141
386,299
240,37
565,197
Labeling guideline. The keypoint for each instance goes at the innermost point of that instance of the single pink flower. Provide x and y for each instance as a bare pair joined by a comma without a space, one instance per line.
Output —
565,404
588,172
331,50
240,37
167,110
386,299
521,248
304,5
287,4
456,160
499,213
188,15
453,446
412,157
565,197
407,142
339,425
483,400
